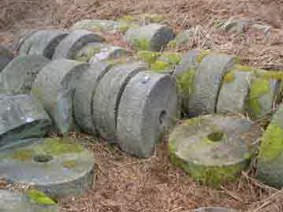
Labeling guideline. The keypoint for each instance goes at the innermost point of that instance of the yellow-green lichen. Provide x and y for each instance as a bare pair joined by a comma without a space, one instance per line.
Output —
70,164
22,155
173,58
185,82
87,53
244,68
40,198
275,75
229,77
148,56
141,44
202,54
127,19
160,66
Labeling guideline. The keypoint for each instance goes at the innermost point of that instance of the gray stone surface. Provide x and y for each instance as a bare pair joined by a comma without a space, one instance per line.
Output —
207,82
183,38
56,166
148,108
45,42
234,92
54,86
21,116
83,98
25,42
19,74
107,97
70,45
20,38
214,209
5,57
152,37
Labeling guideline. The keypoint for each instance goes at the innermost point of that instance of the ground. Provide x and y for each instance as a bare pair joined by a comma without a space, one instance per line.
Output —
127,184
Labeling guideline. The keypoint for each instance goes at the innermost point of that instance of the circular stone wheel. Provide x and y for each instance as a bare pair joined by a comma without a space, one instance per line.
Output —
152,37
55,166
25,42
21,116
20,73
83,98
70,45
5,57
214,209
207,83
213,149
54,86
18,202
148,108
107,97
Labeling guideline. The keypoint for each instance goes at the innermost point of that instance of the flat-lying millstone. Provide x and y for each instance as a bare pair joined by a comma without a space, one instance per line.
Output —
45,42
71,44
83,98
55,166
270,158
21,116
213,149
12,201
5,57
54,86
19,74
207,82
148,108
152,37
107,97
214,209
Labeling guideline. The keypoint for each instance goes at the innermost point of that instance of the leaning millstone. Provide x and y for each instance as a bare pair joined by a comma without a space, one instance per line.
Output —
35,201
152,37
270,158
94,52
207,82
21,116
83,98
58,167
107,97
213,149
5,57
54,86
45,42
18,76
214,209
71,44
147,110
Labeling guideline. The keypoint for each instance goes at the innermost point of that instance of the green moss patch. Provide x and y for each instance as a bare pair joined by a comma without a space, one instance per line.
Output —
141,44
185,82
229,77
22,155
148,56
202,55
40,198
70,164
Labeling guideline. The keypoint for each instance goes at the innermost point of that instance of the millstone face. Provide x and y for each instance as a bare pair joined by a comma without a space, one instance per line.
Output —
152,37
54,86
45,42
207,82
148,108
270,166
213,149
18,76
5,57
17,202
55,166
21,117
71,44
83,98
107,97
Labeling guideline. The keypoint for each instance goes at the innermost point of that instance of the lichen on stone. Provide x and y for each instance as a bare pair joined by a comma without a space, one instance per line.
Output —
229,77
185,82
69,164
202,55
40,198
141,44
148,56
160,66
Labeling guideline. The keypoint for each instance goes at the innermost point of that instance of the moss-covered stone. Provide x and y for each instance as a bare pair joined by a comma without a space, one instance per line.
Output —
148,56
40,198
185,82
141,44
229,77
70,164
202,54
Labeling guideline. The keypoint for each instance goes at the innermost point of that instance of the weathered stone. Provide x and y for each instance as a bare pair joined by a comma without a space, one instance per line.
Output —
182,38
21,117
107,98
213,149
12,201
45,42
235,25
152,37
270,158
20,38
83,98
25,42
5,57
55,166
207,82
148,108
18,76
70,45
54,86
214,209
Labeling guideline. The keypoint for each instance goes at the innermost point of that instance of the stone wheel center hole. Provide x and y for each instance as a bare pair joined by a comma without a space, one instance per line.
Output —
162,116
42,158
215,136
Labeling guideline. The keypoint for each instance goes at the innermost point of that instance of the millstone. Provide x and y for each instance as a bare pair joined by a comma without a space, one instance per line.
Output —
213,149
54,86
214,209
270,158
152,37
21,116
18,76
25,42
234,92
148,108
70,45
107,97
55,166
12,201
21,37
5,57
45,42
83,98
207,82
